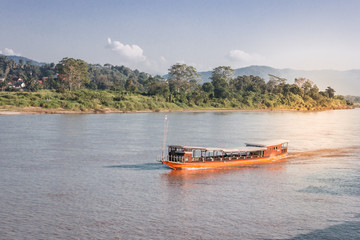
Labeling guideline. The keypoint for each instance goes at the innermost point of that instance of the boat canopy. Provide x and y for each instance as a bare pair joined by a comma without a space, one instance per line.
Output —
226,150
267,143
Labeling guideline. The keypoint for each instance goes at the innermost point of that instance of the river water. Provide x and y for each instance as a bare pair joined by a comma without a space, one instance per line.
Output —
95,177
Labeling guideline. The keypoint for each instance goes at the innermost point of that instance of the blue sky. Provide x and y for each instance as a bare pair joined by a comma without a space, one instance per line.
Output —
153,35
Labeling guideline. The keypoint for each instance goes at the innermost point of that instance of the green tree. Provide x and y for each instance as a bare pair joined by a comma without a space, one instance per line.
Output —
208,88
225,72
330,91
130,85
74,72
295,89
220,78
276,84
21,63
3,84
221,88
241,83
182,77
51,83
156,86
4,66
300,82
248,83
314,92
31,83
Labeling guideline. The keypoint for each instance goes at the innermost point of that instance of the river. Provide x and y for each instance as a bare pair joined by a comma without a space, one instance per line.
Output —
80,176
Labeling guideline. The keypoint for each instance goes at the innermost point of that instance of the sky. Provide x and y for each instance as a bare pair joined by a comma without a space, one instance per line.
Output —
152,35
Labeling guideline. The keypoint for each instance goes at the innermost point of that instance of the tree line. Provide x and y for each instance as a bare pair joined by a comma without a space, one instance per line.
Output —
182,85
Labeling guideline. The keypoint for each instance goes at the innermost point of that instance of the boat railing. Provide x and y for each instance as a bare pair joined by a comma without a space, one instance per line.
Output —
174,158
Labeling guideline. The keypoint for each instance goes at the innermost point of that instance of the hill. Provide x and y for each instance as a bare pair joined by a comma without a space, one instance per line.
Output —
345,82
25,59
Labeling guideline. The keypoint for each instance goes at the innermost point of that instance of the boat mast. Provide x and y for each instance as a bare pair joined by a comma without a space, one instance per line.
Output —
166,124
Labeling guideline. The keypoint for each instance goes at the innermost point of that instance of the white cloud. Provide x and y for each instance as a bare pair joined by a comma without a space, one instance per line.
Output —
128,52
240,56
133,56
9,52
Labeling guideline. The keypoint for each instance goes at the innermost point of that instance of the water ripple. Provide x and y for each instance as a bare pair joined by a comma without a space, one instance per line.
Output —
142,166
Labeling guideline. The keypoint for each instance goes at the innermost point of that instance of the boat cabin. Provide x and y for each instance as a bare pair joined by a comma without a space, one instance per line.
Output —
273,148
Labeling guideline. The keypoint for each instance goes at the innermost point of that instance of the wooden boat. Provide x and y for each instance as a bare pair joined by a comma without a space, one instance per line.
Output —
187,157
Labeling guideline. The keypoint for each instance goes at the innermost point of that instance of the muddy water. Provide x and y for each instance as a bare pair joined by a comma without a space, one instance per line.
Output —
95,177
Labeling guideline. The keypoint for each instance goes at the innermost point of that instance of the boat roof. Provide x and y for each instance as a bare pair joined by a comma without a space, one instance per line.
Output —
242,149
267,143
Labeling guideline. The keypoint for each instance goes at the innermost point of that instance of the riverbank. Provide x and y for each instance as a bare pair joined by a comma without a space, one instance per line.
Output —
39,110
91,101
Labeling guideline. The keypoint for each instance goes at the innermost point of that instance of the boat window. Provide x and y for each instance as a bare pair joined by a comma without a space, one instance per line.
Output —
196,153
179,150
217,154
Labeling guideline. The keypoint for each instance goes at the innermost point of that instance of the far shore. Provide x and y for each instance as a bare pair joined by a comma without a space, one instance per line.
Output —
39,110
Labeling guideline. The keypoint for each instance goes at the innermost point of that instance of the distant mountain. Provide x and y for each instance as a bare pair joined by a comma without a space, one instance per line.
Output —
344,82
17,59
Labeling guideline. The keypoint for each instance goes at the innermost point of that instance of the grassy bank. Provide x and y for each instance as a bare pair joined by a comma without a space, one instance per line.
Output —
112,101
83,100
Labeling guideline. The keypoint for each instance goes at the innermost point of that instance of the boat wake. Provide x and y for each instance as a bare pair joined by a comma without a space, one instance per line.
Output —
325,152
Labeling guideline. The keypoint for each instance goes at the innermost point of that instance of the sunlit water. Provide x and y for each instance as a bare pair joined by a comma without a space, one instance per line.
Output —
95,177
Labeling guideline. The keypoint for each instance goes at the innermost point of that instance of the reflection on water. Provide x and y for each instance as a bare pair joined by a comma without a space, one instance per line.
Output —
143,166
95,177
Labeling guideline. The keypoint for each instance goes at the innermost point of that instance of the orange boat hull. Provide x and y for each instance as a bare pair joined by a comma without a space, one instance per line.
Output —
221,164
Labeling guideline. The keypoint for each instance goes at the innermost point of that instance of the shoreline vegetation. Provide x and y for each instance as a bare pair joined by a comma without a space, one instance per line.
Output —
74,86
97,101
